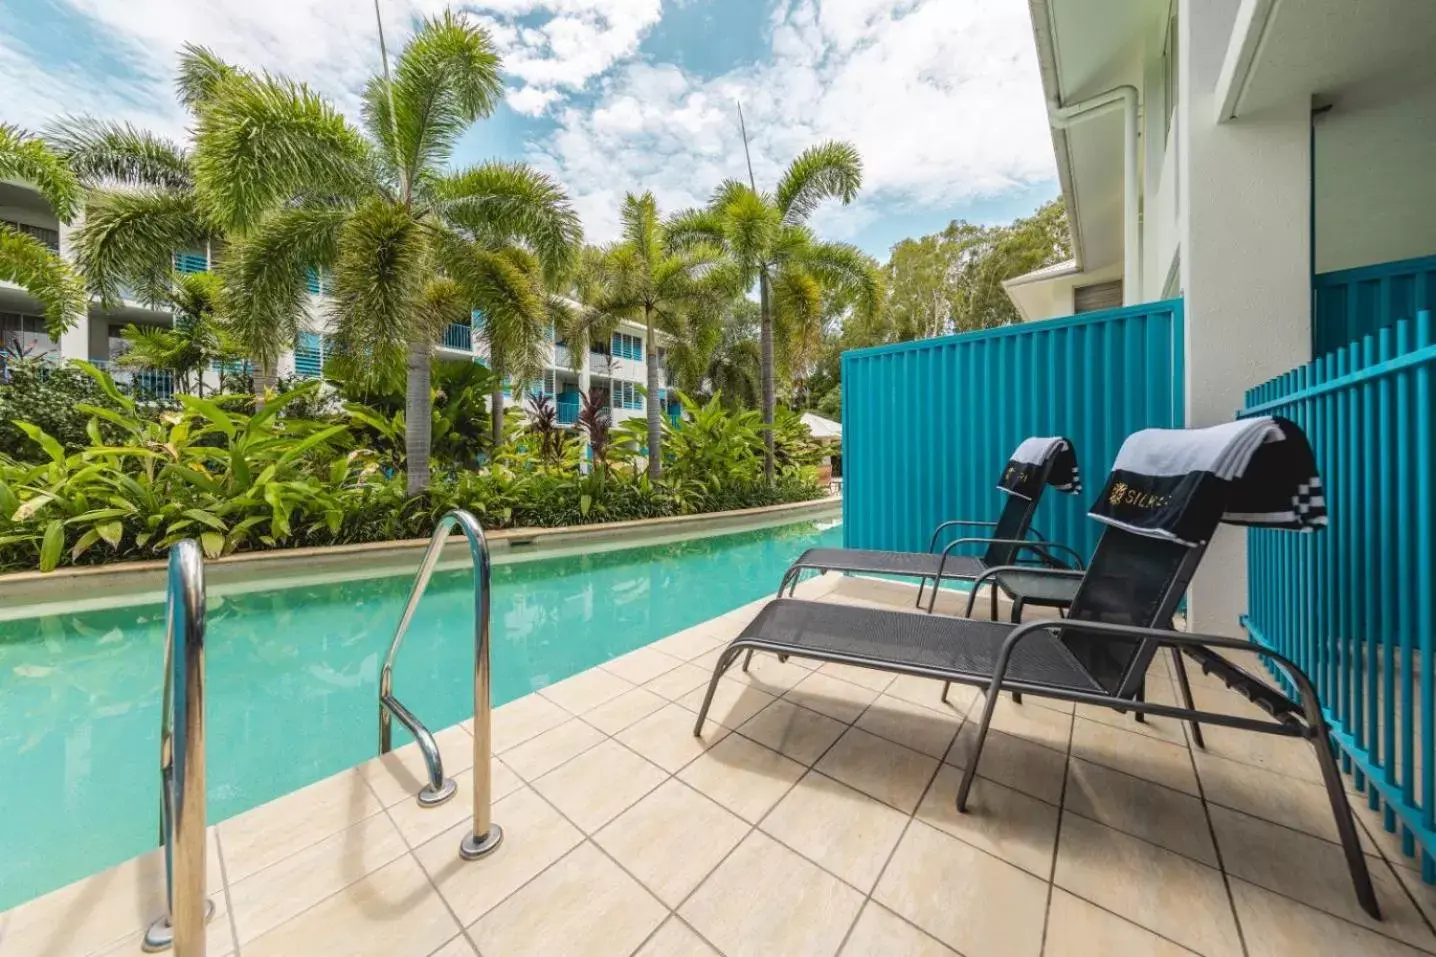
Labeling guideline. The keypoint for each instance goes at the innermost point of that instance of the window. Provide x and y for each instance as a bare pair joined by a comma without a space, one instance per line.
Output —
627,347
28,331
1102,295
627,396
309,355
191,262
49,237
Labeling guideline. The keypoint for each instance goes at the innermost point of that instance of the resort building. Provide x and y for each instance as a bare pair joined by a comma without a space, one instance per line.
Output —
1267,163
617,366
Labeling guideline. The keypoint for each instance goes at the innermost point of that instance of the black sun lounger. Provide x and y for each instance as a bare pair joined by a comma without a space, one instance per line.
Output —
1167,493
1036,463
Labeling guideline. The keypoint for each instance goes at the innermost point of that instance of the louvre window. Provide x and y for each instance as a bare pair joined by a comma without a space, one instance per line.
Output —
627,347
1102,295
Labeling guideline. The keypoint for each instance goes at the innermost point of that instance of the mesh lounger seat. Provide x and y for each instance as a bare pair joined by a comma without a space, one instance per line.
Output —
1101,652
1007,541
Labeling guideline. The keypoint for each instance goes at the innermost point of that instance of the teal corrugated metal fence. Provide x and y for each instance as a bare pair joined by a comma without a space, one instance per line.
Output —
1355,606
1351,303
928,425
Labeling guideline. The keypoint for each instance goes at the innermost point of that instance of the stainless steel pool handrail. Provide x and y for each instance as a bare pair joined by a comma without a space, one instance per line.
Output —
182,797
485,836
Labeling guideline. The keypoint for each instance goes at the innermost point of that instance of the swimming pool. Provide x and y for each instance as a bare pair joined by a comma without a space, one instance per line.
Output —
292,680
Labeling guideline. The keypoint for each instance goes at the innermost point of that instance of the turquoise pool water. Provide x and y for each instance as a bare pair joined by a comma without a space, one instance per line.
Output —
293,676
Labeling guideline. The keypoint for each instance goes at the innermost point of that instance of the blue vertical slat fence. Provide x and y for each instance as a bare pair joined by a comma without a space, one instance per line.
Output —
928,425
1350,303
1355,606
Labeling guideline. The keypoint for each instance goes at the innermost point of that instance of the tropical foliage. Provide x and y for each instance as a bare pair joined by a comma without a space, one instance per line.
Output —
240,480
24,259
192,343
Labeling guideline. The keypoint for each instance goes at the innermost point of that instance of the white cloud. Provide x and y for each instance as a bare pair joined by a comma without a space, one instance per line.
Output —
941,97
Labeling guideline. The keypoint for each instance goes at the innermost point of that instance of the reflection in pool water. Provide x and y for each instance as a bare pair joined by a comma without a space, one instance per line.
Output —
292,682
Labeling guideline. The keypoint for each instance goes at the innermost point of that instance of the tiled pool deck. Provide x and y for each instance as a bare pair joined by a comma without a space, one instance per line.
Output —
815,818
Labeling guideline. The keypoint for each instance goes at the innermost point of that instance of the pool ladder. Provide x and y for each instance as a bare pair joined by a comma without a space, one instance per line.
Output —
485,835
182,798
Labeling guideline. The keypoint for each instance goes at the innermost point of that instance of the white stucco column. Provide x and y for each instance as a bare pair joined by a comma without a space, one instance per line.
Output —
585,382
1244,222
75,342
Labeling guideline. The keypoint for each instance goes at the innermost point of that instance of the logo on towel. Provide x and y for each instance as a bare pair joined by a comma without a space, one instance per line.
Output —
1124,494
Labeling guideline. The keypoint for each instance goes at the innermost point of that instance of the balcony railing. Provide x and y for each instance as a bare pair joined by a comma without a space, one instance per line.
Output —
49,237
141,383
567,411
191,262
458,336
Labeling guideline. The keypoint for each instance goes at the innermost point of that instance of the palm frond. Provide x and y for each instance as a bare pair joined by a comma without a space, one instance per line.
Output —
831,170
841,266
29,159
641,227
446,78
507,286
750,226
497,204
103,152
200,74
694,226
30,264
379,272
261,141
266,275
129,238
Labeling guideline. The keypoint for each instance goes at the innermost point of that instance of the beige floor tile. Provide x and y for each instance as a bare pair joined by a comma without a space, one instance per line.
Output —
1425,894
1155,726
1165,892
793,730
766,673
587,689
973,902
398,775
584,905
709,660
1172,819
110,909
1051,729
678,682
1284,800
273,831
281,891
535,835
889,772
643,664
1314,872
733,702
1012,761
419,824
913,725
928,693
218,938
866,677
540,755
692,642
1076,928
524,718
1277,925
391,911
676,939
458,947
595,787
1281,755
834,697
666,737
743,776
841,829
1005,823
1136,754
881,933
613,716
766,899
672,839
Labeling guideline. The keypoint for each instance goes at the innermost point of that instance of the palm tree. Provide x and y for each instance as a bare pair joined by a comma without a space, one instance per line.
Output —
194,340
767,236
646,279
412,246
24,259
724,361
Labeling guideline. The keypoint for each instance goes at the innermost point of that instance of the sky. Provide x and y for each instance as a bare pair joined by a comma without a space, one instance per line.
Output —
942,98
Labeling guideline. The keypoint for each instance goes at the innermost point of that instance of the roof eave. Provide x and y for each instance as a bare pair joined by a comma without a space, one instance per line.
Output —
1042,34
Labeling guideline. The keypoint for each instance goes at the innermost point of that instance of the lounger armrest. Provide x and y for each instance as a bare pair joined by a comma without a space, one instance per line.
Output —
954,523
1043,550
998,571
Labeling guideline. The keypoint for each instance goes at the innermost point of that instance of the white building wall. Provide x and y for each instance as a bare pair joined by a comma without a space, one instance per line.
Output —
1376,177
1245,261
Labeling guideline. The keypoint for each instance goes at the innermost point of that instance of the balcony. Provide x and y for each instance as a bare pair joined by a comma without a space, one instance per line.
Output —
458,337
191,262
50,237
567,410
140,383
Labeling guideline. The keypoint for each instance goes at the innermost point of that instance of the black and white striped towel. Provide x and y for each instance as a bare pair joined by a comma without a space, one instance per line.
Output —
1179,483
1029,462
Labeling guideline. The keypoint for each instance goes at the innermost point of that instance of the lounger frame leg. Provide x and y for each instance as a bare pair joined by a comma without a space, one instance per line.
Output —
970,772
1185,688
725,660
